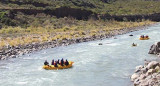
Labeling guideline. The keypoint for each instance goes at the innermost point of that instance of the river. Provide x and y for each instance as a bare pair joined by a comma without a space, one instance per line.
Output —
110,64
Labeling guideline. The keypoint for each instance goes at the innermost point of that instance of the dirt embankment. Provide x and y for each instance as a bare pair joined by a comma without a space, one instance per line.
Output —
82,14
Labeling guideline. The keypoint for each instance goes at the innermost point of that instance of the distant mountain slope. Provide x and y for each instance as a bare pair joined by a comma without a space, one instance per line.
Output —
26,12
113,7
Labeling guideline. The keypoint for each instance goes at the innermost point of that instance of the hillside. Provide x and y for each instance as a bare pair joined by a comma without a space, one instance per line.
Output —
26,12
113,7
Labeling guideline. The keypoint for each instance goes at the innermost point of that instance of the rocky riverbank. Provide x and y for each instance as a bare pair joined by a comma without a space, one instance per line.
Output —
147,75
13,52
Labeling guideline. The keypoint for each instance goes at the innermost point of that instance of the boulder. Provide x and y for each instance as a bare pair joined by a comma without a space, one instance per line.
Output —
150,71
4,58
136,82
130,35
152,65
157,68
144,70
13,56
144,83
138,68
115,37
100,44
155,48
134,76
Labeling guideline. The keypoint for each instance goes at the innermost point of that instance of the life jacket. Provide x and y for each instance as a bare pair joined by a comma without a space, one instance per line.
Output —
52,63
56,65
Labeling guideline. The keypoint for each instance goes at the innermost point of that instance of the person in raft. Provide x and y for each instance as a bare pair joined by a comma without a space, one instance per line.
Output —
146,36
142,36
58,61
66,63
133,44
62,62
55,65
46,63
52,63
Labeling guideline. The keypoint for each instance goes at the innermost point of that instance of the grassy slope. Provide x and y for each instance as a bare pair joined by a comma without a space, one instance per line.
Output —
72,29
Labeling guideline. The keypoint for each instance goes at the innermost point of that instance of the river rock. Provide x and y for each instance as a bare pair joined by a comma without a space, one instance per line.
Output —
144,70
134,76
100,44
150,71
157,68
142,76
155,48
115,37
130,35
138,68
152,64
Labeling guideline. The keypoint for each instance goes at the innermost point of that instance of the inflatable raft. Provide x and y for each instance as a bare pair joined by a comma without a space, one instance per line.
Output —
143,38
51,67
134,45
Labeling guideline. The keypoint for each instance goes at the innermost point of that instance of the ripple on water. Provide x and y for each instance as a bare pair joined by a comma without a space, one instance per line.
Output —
22,82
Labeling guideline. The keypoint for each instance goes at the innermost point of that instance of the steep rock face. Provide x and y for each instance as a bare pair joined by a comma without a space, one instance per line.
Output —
107,1
153,17
155,48
36,4
75,13
58,12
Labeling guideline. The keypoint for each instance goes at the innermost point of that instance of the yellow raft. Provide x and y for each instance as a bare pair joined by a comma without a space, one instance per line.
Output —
51,67
143,38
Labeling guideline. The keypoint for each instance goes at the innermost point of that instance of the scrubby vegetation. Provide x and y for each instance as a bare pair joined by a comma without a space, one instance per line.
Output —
70,29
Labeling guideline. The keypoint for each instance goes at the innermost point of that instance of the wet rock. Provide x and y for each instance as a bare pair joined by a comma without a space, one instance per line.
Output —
146,62
150,71
115,37
144,70
136,82
100,44
138,68
4,58
130,35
